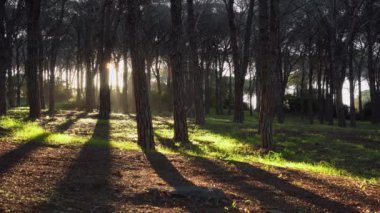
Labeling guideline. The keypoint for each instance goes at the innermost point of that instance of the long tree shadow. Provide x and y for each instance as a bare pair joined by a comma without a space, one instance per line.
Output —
268,189
86,186
70,121
169,173
20,153
166,171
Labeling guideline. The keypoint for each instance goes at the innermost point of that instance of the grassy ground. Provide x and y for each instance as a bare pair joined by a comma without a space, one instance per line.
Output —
91,165
316,148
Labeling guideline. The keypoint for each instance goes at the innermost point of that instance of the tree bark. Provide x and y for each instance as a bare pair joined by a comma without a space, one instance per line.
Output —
375,118
31,66
3,61
180,124
240,62
143,114
352,85
268,37
194,66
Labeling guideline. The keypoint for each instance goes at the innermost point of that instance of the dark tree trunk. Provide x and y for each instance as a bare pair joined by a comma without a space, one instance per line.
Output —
319,86
104,91
180,124
31,66
361,117
53,59
157,74
107,31
194,66
124,97
207,86
240,63
3,61
41,70
79,69
11,89
352,85
230,98
143,114
268,37
310,95
18,78
375,117
302,93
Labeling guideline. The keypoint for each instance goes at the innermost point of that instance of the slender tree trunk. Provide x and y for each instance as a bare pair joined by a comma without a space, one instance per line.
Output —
158,76
352,86
79,69
230,98
31,66
125,79
194,66
53,58
319,86
240,63
143,114
180,125
3,61
41,70
310,95
207,87
375,117
302,99
361,117
18,78
268,36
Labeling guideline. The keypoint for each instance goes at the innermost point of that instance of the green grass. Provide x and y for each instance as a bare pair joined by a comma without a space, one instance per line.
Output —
315,148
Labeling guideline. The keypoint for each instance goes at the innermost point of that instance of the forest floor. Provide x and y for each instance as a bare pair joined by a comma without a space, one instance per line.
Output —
73,162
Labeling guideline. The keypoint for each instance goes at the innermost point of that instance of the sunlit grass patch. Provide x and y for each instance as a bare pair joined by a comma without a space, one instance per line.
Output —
314,148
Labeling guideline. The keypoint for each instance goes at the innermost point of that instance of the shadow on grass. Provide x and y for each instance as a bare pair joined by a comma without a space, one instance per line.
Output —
267,188
350,152
20,153
86,185
70,121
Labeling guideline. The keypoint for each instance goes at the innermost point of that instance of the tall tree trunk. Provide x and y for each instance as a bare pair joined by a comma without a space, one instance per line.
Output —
18,78
310,95
104,54
3,61
194,66
143,114
158,76
53,59
31,66
268,37
78,68
319,85
352,86
180,124
240,62
104,91
375,117
361,117
302,93
41,70
207,86
125,80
